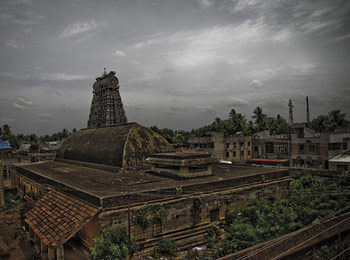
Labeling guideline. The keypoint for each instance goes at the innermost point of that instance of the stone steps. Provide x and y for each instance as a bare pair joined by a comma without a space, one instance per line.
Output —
185,239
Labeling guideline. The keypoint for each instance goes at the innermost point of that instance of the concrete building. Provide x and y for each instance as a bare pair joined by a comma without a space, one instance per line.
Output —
236,148
270,149
99,172
340,162
313,150
309,149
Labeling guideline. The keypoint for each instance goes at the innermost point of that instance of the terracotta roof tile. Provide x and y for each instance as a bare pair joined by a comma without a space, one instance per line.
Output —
57,217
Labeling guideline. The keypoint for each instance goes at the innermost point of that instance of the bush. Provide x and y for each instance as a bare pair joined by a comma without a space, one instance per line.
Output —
142,216
164,247
113,244
160,215
11,200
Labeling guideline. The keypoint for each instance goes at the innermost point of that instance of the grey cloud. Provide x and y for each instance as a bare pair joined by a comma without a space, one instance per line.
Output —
78,27
45,116
255,83
237,102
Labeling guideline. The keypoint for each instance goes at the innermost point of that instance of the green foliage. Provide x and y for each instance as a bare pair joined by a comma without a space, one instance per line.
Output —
197,209
11,200
331,250
328,123
160,215
112,245
213,235
164,247
143,216
179,191
309,197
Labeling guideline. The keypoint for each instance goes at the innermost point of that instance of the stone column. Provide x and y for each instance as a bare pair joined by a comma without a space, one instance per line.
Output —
51,253
60,252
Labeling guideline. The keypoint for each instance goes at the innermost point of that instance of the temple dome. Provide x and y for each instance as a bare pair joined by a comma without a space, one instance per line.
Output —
125,145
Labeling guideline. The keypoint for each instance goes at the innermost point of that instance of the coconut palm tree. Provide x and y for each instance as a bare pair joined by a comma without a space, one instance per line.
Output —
260,118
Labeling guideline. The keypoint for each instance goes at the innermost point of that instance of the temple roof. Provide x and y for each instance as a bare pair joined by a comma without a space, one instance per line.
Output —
56,217
125,145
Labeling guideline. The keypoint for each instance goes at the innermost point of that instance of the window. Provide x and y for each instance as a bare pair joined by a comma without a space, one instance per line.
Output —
234,154
248,152
248,143
301,147
214,215
234,145
256,148
242,153
241,144
312,148
268,148
282,149
228,145
227,154
345,146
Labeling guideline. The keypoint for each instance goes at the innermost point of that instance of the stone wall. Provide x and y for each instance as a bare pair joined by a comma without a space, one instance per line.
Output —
181,214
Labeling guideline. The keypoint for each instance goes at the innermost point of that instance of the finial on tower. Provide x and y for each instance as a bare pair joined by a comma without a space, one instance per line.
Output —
104,72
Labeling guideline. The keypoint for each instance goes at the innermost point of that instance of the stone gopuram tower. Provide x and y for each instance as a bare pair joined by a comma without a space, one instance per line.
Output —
106,107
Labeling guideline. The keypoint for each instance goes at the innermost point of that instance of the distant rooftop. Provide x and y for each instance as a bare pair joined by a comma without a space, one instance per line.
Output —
4,145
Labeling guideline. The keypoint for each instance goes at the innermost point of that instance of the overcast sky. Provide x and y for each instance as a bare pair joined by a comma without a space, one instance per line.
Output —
180,64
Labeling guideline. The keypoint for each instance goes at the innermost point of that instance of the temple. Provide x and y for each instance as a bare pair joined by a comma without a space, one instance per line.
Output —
106,107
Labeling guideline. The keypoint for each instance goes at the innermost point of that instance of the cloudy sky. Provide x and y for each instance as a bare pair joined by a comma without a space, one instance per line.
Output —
180,63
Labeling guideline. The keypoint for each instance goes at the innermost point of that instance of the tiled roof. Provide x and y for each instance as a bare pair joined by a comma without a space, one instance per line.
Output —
56,217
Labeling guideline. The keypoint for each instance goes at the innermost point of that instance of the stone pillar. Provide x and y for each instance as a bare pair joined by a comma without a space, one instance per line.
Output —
51,253
60,252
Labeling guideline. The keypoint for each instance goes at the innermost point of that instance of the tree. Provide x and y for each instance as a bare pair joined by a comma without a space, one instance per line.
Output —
165,247
260,118
112,245
6,132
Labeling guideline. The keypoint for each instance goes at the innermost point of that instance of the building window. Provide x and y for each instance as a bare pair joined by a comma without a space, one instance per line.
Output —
241,144
214,215
234,145
248,143
227,154
248,152
301,147
234,154
256,148
282,149
312,148
242,153
228,145
269,148
345,146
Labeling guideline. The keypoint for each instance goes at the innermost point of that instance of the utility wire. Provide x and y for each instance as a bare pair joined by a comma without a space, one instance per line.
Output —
341,253
320,233
293,234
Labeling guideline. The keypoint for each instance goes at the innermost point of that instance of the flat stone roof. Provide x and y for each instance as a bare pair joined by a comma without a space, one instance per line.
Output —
95,185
